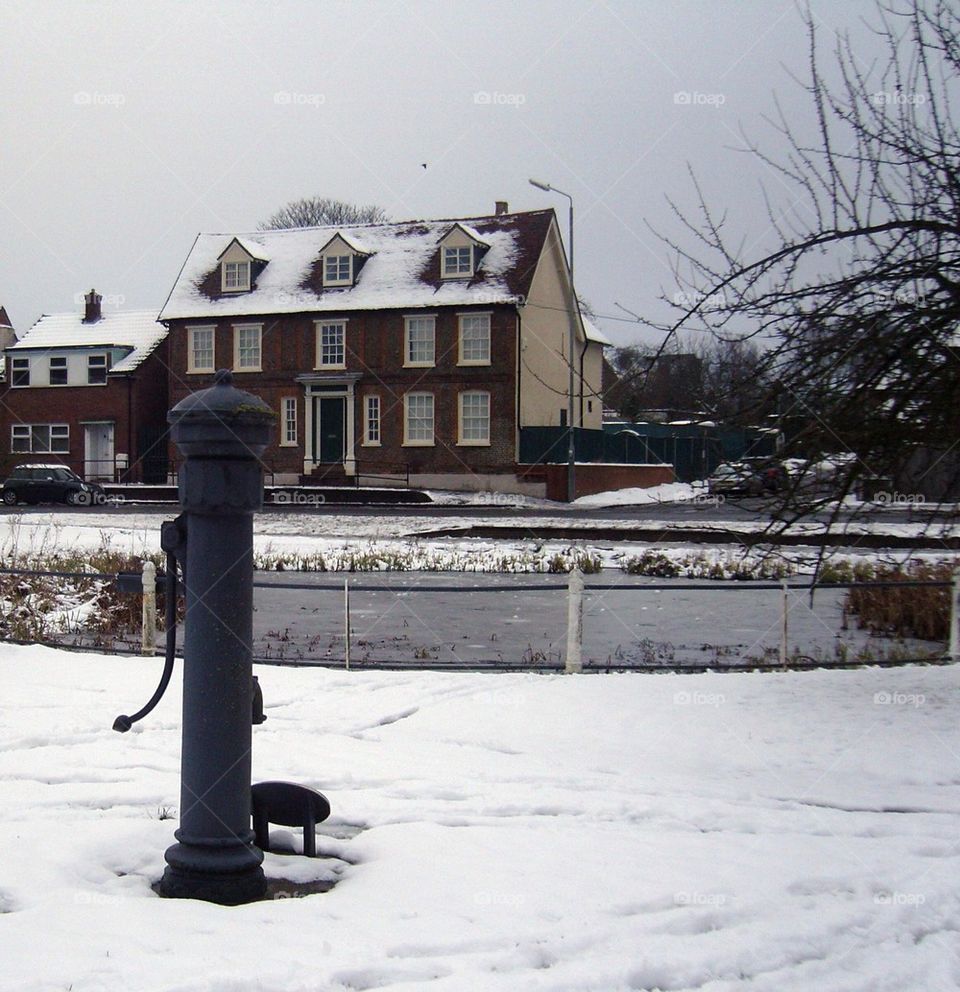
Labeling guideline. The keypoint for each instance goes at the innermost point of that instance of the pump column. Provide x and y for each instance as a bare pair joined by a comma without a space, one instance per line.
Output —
221,432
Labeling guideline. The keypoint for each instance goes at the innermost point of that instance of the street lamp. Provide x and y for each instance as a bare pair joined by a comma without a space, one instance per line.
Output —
571,441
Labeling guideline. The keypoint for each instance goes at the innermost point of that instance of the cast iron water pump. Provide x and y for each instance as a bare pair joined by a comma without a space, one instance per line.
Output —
221,433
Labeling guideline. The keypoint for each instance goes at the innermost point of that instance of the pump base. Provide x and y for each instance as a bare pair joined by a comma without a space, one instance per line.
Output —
226,873
225,890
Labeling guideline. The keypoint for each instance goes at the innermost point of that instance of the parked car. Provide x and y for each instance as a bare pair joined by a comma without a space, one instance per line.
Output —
734,479
750,477
773,473
49,484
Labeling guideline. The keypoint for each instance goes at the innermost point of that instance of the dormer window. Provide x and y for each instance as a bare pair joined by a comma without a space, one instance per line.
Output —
461,250
236,276
240,264
457,262
341,260
338,270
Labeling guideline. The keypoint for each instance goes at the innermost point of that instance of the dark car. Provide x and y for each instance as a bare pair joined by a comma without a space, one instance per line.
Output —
49,484
734,479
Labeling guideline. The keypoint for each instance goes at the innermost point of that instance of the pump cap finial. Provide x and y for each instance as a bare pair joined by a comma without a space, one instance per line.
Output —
223,377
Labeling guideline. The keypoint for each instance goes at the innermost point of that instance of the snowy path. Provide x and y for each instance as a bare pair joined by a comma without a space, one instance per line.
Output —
717,832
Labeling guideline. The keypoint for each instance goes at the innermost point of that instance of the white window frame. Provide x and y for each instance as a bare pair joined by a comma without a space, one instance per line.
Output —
372,420
63,431
20,432
99,361
289,421
462,439
430,322
28,432
321,325
63,366
24,367
457,269
235,276
238,331
192,332
410,441
338,280
464,319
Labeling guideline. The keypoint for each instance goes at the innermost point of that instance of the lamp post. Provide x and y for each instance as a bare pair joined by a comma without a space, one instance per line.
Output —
571,440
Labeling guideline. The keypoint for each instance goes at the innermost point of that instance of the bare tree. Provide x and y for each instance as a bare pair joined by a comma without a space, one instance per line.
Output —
317,211
719,379
734,386
670,383
860,302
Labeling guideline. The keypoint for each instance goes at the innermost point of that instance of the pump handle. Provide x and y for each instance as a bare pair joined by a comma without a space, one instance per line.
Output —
123,723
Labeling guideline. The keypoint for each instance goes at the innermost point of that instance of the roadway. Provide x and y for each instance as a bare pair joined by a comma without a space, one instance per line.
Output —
558,514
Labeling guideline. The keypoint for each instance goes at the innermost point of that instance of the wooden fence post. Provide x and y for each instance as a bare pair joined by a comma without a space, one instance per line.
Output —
785,609
574,661
954,648
346,623
148,639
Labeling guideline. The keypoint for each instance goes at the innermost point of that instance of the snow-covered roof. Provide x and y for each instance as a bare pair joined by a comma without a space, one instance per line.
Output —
471,232
137,330
403,269
592,332
351,242
254,251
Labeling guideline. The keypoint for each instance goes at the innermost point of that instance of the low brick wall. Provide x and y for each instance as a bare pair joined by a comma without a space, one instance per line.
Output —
592,478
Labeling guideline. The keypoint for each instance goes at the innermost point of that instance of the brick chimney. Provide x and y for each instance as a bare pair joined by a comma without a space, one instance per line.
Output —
501,207
91,309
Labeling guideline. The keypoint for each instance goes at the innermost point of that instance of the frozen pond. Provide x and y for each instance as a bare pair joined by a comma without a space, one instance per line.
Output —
509,620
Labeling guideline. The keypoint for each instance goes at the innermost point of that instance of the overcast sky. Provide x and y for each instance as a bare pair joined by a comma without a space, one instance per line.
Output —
129,127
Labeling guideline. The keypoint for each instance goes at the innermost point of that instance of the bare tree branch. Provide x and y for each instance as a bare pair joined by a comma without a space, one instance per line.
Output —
317,211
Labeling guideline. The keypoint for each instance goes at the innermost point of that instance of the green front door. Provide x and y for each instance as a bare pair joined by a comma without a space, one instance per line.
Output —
329,429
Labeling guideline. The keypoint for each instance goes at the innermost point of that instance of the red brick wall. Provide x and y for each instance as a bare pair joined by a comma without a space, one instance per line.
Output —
590,478
374,345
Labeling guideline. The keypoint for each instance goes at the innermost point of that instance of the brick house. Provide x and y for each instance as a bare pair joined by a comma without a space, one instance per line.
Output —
403,352
89,390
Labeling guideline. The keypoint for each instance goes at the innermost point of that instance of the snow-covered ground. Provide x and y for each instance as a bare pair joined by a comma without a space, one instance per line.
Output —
341,538
668,492
771,833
